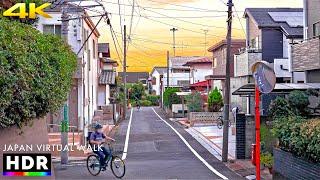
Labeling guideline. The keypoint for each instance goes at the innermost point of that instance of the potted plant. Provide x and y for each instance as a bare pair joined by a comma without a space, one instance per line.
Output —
267,160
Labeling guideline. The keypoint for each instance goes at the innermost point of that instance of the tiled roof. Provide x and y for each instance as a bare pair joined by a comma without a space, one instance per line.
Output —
267,17
134,77
199,61
224,42
107,77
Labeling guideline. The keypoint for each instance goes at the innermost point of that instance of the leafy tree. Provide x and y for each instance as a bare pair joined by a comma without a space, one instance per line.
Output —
136,91
35,73
170,97
215,100
194,102
280,107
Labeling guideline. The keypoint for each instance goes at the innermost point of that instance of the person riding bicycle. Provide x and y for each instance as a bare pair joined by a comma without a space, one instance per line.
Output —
96,139
137,102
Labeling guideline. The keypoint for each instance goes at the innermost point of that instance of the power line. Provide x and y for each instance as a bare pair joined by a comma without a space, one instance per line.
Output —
196,8
244,32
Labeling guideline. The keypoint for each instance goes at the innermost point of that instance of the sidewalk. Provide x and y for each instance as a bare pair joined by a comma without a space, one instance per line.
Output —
211,137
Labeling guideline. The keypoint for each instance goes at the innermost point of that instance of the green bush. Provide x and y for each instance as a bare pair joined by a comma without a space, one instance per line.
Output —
299,102
299,136
280,107
267,159
194,102
170,97
154,99
35,73
215,100
268,140
145,103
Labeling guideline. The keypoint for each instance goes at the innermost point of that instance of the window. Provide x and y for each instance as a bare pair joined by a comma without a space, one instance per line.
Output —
316,29
214,63
89,60
52,29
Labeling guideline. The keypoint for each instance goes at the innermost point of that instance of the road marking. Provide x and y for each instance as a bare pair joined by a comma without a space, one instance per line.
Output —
191,149
125,149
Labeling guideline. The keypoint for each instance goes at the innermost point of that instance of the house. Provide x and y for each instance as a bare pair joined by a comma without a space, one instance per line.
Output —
82,100
270,33
107,75
135,77
179,75
219,57
156,76
306,55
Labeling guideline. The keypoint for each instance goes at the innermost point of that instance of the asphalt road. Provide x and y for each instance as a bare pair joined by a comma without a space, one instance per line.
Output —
157,149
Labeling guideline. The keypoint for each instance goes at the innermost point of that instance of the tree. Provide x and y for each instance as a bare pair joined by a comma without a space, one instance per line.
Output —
215,100
136,91
170,97
194,102
35,73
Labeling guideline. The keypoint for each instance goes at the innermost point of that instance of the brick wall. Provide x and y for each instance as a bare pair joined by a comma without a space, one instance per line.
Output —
292,167
306,55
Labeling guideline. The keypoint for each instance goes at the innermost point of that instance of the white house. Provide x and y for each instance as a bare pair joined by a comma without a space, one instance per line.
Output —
157,75
83,95
199,69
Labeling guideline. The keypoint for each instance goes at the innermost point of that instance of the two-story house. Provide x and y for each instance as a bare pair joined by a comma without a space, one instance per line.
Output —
306,55
157,75
219,55
270,33
199,69
82,99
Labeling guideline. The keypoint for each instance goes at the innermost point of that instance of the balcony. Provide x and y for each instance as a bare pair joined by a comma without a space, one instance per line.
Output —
244,61
306,55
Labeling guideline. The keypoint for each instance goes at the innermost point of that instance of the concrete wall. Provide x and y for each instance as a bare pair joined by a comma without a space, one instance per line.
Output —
244,61
32,135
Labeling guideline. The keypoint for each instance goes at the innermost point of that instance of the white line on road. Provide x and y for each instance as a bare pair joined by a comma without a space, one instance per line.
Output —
125,149
191,149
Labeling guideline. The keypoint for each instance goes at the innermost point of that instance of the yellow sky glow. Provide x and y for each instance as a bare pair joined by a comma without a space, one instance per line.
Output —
150,30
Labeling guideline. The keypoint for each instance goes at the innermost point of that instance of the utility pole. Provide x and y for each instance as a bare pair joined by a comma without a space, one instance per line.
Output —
205,41
65,122
125,70
174,40
168,70
227,87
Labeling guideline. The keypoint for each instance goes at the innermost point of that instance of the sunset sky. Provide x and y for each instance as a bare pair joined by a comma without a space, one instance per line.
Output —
152,20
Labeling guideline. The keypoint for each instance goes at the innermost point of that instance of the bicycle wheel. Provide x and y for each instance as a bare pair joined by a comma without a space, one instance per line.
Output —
93,165
118,167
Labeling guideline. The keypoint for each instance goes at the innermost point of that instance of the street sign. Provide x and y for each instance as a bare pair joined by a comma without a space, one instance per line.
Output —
265,78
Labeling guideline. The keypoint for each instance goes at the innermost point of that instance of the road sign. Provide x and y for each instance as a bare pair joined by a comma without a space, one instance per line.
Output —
265,78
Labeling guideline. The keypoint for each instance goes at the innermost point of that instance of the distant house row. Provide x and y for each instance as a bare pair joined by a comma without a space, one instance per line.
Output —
287,38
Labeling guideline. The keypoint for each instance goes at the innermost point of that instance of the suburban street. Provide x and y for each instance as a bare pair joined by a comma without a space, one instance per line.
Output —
156,151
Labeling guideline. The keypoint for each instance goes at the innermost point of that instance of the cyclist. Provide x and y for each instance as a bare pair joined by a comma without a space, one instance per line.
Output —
96,139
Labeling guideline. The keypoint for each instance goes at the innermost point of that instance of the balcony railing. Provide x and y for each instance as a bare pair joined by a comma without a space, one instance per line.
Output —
244,61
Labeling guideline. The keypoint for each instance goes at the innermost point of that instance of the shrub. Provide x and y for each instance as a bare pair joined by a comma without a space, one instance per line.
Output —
170,97
299,136
145,103
280,107
268,140
299,102
215,100
267,159
35,73
154,99
194,102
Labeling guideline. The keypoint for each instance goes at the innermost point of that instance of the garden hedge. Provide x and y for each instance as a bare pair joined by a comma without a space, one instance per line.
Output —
170,97
35,73
299,136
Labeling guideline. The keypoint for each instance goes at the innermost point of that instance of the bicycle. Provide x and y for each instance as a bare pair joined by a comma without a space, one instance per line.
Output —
117,165
220,122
